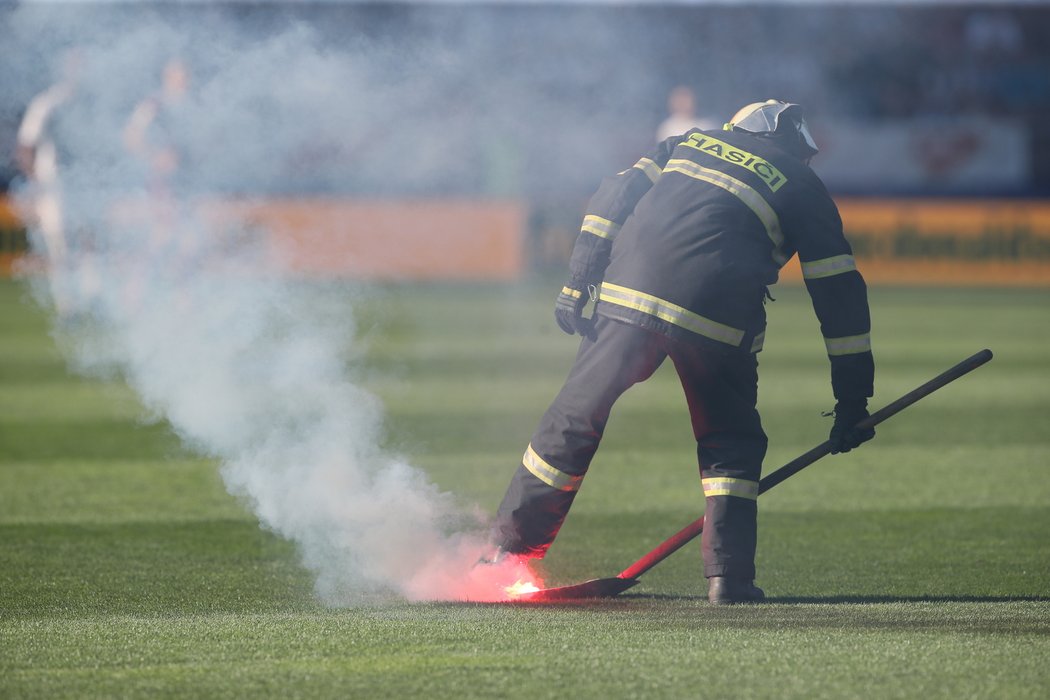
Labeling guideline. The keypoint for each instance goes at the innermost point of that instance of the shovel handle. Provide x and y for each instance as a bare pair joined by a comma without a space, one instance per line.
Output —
891,409
690,531
664,549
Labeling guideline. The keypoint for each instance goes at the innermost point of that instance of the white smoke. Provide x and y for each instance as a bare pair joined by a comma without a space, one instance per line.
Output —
250,364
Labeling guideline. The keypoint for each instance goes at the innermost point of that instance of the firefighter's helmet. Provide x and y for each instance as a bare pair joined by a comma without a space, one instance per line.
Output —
782,121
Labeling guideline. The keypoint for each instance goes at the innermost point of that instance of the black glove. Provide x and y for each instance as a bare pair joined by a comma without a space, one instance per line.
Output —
844,434
568,311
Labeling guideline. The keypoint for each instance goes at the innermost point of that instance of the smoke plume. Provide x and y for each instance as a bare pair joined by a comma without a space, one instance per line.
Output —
249,363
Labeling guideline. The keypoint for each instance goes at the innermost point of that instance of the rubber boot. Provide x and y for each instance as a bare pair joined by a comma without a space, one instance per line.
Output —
726,590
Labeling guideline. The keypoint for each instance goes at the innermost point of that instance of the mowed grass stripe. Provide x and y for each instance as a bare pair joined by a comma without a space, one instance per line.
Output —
113,491
60,400
79,570
646,650
916,566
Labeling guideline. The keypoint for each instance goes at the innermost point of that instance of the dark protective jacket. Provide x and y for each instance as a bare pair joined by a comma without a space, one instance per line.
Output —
687,241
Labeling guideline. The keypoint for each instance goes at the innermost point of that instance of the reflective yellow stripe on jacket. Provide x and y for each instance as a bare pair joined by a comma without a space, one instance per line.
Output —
672,313
726,486
649,167
574,293
744,192
555,478
704,143
603,228
828,267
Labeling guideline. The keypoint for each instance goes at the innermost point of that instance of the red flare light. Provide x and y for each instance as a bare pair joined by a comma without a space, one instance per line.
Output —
503,581
522,587
468,575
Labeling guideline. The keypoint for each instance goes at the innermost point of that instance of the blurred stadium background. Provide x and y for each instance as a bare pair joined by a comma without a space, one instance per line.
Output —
932,118
460,141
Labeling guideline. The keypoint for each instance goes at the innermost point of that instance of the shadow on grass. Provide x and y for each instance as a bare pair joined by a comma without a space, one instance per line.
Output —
855,599
864,599
847,614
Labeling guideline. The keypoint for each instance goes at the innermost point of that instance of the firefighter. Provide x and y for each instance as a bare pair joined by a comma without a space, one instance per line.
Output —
678,252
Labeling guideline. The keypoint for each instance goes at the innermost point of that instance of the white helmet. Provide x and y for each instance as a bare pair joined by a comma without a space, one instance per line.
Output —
782,121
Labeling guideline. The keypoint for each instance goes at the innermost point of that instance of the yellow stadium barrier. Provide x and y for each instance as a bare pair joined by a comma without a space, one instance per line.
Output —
947,242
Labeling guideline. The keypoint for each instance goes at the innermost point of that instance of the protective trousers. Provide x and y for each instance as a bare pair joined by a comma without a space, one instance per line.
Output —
721,388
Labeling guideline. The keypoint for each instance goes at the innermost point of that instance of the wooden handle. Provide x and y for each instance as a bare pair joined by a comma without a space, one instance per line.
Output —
690,531
891,409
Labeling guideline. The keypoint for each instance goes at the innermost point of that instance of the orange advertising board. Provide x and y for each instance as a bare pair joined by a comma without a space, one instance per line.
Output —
424,239
950,242
395,239
12,236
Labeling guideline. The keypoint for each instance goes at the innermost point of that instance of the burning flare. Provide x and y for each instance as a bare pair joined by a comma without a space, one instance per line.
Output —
521,587
467,576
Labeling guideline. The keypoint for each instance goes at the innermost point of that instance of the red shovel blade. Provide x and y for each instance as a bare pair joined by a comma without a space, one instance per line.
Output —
595,588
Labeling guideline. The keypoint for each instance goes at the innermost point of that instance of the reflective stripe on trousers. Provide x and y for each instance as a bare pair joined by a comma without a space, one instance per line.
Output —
721,392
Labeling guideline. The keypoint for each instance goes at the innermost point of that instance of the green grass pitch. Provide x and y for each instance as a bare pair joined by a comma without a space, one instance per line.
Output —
915,567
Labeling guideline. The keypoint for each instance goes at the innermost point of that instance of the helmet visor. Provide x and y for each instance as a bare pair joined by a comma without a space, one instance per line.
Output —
807,138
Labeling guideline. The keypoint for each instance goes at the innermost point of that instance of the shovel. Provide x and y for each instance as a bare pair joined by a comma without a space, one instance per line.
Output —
609,587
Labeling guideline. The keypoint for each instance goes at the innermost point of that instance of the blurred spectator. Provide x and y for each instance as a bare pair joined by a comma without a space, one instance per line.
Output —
37,152
681,103
158,132
153,130
42,155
